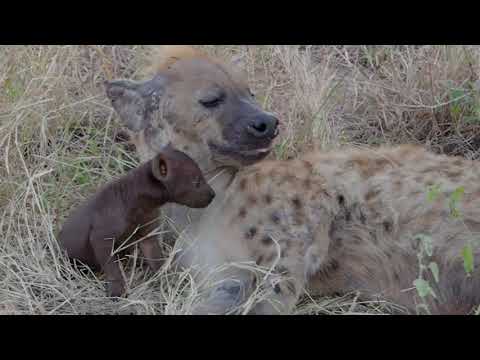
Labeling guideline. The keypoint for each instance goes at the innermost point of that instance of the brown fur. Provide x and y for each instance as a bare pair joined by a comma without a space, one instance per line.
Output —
109,219
344,233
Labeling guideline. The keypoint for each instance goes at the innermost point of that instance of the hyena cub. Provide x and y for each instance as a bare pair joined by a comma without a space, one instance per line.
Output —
110,217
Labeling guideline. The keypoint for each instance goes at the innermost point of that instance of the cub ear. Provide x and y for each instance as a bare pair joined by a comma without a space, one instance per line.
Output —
128,102
161,168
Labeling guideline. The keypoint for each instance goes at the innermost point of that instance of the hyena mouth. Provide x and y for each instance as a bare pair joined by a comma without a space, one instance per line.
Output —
246,157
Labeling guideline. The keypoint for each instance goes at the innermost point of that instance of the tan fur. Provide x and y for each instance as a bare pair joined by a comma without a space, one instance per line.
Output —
164,56
345,221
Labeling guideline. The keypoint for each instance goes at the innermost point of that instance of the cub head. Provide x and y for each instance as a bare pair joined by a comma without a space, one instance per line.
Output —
182,178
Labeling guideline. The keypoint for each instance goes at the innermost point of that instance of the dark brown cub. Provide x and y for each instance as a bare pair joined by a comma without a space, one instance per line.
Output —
110,217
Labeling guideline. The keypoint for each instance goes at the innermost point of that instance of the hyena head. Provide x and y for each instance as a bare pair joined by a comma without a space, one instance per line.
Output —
200,106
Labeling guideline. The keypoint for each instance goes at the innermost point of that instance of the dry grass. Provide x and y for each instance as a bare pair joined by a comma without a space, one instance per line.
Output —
59,141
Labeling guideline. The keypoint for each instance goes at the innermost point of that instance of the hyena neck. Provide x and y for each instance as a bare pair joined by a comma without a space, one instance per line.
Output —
220,178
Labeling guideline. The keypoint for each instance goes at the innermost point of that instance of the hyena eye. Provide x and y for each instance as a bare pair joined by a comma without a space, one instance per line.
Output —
210,104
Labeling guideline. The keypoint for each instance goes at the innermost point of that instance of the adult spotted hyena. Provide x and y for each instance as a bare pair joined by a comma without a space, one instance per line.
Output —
343,221
201,106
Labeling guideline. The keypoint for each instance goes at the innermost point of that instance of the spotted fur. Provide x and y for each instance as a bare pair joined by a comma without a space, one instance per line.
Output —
353,228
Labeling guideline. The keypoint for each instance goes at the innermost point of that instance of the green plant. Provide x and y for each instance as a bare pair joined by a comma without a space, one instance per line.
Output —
454,200
467,251
12,89
464,105
423,287
433,193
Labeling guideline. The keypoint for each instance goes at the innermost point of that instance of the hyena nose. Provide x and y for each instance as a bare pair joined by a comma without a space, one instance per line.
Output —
263,126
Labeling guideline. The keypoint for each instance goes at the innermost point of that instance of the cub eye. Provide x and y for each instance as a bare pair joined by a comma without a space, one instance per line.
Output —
197,183
209,104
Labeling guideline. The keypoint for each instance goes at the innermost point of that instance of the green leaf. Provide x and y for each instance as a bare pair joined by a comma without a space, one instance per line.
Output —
456,94
426,243
455,110
423,288
434,269
467,254
457,195
455,199
433,193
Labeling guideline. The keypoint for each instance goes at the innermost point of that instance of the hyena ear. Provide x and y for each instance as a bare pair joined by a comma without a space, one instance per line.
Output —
134,100
128,102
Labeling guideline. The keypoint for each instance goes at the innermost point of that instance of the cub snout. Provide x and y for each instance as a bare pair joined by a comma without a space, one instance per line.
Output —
205,199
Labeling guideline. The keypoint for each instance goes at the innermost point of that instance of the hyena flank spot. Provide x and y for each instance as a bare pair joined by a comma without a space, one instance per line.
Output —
202,106
340,222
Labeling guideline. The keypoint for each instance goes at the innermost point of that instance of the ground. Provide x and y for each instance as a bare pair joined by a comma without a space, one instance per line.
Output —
59,140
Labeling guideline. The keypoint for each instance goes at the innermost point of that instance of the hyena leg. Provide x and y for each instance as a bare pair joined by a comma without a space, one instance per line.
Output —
102,249
279,293
281,289
227,296
289,277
